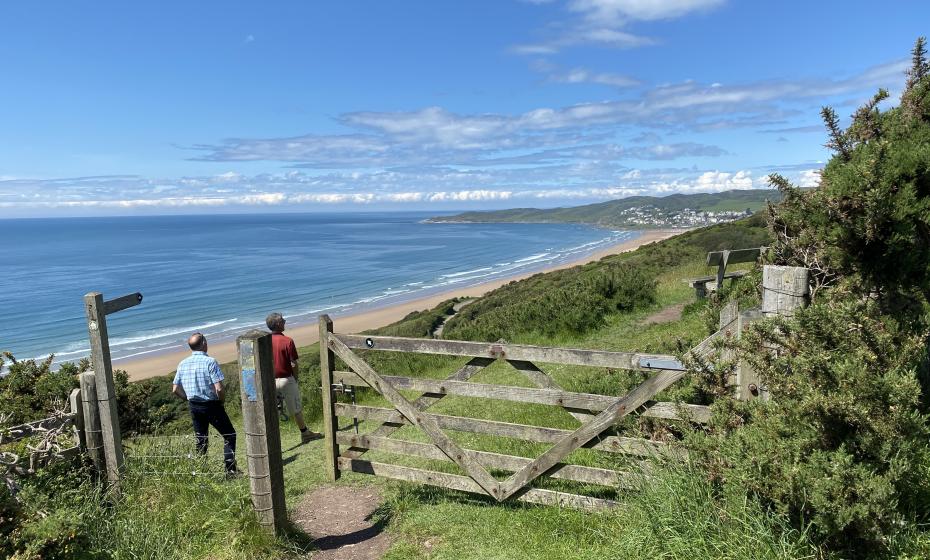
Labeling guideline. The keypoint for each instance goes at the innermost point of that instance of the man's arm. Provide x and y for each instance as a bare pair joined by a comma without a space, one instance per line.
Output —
178,391
216,377
292,352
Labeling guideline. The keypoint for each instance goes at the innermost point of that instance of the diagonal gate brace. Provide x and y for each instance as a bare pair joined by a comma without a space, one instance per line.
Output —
424,421
607,418
423,402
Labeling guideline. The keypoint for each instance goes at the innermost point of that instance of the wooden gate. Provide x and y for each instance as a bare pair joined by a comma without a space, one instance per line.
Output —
597,415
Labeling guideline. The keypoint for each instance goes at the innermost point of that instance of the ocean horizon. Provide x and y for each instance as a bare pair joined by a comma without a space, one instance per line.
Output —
222,274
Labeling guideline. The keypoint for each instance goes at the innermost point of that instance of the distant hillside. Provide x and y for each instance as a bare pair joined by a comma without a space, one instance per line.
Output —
676,210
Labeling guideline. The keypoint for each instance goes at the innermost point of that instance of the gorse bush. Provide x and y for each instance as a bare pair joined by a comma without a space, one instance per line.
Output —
842,445
572,301
869,220
32,390
841,449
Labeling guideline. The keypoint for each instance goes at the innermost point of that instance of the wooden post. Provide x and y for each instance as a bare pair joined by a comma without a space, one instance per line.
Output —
728,314
106,391
722,269
748,384
784,289
262,432
327,366
92,434
76,408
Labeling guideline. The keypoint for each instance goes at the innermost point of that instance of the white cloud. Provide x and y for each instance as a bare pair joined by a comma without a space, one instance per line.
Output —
582,75
436,136
575,182
469,196
619,11
809,178
604,23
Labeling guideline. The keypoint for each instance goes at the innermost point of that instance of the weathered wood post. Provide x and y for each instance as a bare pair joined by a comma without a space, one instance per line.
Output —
748,384
327,366
784,289
722,269
77,409
92,435
262,432
106,390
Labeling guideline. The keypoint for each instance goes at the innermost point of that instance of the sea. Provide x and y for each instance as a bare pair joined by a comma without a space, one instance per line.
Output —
222,274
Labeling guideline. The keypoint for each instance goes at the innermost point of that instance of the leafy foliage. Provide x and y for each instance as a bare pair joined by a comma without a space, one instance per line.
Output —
572,301
420,324
867,226
841,447
31,389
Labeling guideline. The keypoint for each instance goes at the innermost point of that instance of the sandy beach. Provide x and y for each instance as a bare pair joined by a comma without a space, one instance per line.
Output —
303,335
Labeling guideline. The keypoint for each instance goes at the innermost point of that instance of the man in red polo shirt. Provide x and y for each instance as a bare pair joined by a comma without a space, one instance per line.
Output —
285,373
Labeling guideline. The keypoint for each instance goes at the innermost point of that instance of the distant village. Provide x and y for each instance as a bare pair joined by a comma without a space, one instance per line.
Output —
654,217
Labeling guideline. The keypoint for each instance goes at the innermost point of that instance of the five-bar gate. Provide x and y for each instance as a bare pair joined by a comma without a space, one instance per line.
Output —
596,414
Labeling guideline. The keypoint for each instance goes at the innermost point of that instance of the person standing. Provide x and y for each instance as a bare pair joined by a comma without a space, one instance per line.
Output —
199,381
285,373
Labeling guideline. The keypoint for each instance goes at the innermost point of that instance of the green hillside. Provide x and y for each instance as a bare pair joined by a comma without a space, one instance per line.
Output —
623,212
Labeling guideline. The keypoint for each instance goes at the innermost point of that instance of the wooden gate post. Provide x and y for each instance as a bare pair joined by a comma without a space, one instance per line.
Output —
77,409
327,366
748,384
106,390
784,289
262,432
92,435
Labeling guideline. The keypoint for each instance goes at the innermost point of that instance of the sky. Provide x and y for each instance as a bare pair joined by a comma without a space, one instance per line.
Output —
124,108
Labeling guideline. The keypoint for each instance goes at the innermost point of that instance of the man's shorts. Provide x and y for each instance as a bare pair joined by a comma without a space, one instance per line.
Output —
289,389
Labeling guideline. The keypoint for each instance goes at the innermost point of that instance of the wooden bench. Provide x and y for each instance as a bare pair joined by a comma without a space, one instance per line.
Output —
721,259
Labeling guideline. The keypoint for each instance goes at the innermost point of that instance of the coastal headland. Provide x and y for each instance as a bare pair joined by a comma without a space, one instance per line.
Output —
306,334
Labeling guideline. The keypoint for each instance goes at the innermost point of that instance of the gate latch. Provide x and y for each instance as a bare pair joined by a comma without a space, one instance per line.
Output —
342,389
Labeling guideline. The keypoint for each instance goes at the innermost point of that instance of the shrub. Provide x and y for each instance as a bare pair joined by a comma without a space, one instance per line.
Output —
32,390
869,220
842,446
562,302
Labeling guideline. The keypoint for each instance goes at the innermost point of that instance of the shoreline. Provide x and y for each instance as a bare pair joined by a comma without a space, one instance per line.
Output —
165,363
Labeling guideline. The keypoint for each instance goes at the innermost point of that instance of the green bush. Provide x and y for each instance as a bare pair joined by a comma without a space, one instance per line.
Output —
571,302
31,390
868,222
842,446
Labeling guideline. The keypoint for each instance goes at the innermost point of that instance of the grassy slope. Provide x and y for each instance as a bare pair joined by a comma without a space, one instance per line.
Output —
607,213
673,517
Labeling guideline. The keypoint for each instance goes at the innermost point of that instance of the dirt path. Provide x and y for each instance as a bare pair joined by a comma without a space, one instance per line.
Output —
455,309
667,315
339,519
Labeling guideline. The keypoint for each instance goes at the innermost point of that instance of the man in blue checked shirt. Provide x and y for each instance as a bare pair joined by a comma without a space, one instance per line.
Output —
199,381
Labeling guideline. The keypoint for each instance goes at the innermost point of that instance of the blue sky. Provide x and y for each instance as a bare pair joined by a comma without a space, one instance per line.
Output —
168,107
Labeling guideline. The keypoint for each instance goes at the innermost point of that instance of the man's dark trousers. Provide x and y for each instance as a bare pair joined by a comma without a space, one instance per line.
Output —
212,413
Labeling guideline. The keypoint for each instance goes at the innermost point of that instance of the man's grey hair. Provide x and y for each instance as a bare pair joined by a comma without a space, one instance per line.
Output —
275,322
